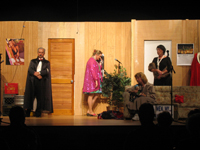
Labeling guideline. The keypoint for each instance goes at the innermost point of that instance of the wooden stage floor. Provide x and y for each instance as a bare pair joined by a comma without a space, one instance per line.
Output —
50,120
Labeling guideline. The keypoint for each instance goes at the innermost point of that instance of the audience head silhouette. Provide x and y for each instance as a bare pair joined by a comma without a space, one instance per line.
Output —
193,112
193,125
164,119
146,114
17,116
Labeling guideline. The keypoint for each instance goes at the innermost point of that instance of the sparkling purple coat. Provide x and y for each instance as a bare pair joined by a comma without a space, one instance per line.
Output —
92,73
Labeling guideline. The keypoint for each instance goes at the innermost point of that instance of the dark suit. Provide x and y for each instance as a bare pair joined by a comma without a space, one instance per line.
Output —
38,88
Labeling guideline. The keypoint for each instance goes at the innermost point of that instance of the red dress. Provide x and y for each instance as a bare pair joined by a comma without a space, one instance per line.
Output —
195,71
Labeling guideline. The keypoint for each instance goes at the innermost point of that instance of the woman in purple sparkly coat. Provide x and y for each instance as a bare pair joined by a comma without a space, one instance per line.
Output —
92,80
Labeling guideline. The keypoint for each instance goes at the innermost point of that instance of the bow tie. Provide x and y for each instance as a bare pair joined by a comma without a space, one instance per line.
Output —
40,58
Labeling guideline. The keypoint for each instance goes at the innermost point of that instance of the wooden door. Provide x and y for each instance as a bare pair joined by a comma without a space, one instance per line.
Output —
61,56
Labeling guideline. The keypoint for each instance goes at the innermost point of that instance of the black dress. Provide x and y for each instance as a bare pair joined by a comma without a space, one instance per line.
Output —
165,62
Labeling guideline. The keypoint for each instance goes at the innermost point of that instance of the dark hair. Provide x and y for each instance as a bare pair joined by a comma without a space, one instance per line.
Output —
193,124
17,115
164,119
193,112
162,48
146,113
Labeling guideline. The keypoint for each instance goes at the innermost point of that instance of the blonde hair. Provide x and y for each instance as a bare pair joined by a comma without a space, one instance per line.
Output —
142,76
98,52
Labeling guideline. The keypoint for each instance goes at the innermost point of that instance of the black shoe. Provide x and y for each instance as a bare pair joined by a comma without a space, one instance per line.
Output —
27,113
127,118
37,114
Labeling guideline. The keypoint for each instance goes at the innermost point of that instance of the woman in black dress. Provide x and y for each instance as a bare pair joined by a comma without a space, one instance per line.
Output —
163,66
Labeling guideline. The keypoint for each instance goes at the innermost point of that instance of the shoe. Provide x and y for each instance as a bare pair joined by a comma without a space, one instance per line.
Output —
37,114
135,118
91,114
27,113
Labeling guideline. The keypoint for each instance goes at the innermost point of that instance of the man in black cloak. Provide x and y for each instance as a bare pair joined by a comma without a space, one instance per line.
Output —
38,85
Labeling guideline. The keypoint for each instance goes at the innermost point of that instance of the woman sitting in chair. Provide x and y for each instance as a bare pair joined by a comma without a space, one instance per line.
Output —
135,96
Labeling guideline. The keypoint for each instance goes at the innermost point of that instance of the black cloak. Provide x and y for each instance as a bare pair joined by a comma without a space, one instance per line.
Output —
46,86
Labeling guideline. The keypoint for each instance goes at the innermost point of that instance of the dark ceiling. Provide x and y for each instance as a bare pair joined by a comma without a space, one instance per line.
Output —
63,10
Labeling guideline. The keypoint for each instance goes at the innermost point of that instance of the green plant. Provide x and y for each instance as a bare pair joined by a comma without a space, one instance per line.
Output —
114,84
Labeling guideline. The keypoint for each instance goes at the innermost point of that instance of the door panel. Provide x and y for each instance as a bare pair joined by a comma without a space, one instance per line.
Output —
61,56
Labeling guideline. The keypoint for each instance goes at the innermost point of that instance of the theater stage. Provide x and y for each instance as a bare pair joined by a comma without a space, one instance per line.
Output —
51,120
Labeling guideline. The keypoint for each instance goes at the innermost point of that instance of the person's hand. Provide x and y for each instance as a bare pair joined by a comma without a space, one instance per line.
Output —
39,77
134,91
159,77
101,61
96,82
142,94
36,74
159,72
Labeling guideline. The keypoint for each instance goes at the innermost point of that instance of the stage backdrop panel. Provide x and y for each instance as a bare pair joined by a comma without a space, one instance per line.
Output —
176,31
74,30
18,73
114,40
121,40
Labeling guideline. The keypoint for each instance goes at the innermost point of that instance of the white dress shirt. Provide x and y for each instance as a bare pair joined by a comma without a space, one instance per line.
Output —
39,67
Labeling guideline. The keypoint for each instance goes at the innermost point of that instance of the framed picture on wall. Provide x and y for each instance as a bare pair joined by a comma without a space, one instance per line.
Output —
14,51
185,54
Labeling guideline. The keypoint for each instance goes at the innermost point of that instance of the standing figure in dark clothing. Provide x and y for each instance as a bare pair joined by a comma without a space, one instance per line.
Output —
38,85
163,67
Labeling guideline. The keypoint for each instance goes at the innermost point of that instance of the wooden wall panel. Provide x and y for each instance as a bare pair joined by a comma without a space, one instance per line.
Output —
133,49
178,31
114,40
190,35
13,29
74,30
110,37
